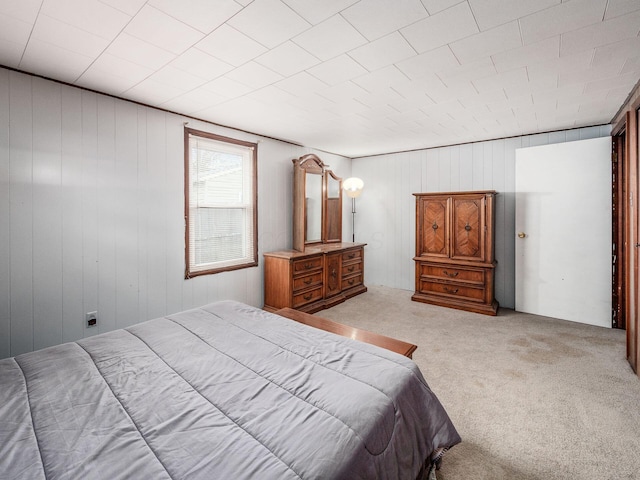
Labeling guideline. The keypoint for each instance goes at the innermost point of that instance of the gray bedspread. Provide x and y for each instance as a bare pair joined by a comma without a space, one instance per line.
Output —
226,391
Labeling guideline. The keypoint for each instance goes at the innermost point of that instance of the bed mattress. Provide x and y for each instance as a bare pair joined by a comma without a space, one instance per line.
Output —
226,391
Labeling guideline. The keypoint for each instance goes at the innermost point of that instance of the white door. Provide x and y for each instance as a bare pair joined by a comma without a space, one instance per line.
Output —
563,231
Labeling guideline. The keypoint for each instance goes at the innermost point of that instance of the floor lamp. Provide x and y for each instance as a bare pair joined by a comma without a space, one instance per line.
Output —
353,188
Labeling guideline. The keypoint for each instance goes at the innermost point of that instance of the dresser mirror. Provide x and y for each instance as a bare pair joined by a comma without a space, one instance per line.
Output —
313,208
317,203
333,208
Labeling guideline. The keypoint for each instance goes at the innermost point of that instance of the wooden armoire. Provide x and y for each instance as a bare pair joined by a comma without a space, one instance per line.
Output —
454,259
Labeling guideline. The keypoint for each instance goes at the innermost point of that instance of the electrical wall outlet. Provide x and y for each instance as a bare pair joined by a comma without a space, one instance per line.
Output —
92,319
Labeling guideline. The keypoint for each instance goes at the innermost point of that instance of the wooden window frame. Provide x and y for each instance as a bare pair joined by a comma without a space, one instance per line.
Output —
253,262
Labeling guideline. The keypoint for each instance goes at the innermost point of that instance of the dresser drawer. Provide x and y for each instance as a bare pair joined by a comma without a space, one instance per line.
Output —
351,269
453,273
452,290
351,281
303,282
307,265
308,296
352,255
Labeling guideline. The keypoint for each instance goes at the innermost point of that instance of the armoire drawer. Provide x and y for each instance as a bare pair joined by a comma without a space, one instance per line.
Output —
452,289
472,275
307,296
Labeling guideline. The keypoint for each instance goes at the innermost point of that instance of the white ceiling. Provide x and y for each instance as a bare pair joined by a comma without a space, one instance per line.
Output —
353,77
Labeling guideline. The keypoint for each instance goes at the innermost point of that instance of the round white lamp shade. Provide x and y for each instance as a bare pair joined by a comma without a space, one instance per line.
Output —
353,187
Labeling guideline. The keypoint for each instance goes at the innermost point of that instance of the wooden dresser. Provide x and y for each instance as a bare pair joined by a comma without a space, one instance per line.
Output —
320,277
454,259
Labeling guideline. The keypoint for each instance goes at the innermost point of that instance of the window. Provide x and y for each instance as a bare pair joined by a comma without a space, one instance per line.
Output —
220,203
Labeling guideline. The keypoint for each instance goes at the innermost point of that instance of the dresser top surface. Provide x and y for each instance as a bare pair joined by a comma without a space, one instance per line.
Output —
318,249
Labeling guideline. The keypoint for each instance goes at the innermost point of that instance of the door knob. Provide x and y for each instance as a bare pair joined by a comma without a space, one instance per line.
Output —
522,234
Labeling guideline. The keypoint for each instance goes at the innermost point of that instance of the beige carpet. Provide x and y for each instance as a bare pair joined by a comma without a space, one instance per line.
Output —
532,397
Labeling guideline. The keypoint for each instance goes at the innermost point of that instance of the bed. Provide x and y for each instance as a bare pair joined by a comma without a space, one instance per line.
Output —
226,391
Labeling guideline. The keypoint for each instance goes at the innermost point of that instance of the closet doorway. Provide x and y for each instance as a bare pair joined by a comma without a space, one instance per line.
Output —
625,155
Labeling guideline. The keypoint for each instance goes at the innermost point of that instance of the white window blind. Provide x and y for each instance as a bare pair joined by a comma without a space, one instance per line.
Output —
221,204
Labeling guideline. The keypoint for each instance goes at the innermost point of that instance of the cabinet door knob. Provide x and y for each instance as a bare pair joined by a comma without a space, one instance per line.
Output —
522,234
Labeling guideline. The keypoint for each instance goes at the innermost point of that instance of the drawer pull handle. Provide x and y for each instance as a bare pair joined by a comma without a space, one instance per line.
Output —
308,297
307,266
351,281
450,275
308,281
449,290
351,269
352,255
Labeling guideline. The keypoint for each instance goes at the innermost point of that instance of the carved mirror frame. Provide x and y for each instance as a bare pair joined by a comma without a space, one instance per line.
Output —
330,197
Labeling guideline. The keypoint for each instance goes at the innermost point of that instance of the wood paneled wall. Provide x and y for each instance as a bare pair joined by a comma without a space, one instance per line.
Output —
385,217
91,213
91,207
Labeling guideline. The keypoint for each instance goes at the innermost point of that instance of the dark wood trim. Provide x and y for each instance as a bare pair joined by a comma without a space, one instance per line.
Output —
219,138
619,128
186,203
631,238
254,153
629,103
634,219
618,197
398,346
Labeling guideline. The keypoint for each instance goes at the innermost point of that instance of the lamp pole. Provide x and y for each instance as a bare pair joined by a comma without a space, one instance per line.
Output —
353,188
353,219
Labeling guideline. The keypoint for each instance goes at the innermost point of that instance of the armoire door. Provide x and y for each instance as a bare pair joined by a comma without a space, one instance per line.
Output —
434,239
468,232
